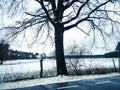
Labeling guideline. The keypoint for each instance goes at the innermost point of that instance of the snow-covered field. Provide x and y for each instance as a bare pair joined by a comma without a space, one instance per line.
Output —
23,66
96,62
25,69
22,69
43,81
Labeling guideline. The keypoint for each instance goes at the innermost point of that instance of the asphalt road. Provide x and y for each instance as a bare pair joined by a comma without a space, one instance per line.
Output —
109,83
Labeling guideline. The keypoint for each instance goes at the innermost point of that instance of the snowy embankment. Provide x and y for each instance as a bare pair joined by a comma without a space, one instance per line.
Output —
30,69
58,79
14,70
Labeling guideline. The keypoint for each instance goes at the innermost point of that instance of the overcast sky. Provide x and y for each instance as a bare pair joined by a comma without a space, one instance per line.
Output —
69,36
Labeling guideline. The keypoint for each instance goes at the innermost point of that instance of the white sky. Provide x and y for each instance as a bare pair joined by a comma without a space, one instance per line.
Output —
69,37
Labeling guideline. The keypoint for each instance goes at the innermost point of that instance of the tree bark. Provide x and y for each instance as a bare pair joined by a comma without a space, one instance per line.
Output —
60,60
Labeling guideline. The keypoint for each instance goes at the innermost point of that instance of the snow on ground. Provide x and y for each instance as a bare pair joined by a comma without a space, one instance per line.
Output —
27,65
23,66
13,70
57,79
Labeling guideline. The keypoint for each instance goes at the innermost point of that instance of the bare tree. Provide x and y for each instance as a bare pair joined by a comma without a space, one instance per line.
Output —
75,64
63,15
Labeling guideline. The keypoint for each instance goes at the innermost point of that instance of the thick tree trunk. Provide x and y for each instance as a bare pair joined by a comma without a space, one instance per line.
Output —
61,65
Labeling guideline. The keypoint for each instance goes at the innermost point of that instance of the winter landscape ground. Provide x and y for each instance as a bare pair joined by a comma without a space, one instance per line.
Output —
25,73
57,79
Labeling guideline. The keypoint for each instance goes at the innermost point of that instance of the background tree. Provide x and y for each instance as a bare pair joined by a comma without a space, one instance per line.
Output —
3,52
62,15
74,64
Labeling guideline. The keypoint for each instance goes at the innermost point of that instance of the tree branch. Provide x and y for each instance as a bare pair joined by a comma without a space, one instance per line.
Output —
84,19
68,5
45,10
77,12
83,31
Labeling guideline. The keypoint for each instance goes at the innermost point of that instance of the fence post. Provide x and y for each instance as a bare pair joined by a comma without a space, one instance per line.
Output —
118,51
114,65
43,56
41,67
119,59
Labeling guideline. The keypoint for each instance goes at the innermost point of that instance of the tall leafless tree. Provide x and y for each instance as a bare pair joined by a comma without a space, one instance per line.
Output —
63,15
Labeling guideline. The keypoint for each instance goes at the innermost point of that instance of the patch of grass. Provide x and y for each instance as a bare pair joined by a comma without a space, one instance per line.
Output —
92,71
13,77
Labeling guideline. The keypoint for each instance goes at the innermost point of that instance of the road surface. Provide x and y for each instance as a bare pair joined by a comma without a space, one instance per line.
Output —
109,83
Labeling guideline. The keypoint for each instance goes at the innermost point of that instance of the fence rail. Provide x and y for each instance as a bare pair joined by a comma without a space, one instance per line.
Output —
83,56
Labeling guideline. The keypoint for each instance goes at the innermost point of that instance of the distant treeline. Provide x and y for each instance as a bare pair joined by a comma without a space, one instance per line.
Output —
5,53
113,54
14,54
